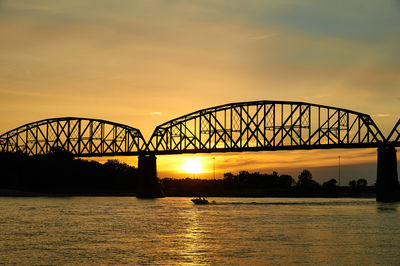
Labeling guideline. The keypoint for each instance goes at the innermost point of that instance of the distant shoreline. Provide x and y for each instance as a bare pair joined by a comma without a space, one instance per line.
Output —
21,193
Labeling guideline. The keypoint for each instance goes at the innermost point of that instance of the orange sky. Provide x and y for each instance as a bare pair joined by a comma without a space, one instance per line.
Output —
142,63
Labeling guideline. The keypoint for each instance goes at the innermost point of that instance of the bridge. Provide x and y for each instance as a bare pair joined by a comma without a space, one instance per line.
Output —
79,136
265,125
394,136
235,127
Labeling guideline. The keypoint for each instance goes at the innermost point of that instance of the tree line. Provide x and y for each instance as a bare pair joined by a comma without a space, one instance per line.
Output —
263,185
59,173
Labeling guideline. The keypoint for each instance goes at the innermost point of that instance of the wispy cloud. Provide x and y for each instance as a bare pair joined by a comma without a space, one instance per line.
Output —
155,113
382,115
263,37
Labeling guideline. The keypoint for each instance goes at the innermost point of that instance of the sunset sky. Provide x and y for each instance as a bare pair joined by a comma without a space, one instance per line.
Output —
142,63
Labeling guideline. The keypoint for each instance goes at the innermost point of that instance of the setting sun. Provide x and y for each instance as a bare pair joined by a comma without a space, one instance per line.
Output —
192,166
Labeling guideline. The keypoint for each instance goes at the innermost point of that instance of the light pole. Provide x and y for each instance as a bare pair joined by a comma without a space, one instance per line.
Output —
339,170
214,167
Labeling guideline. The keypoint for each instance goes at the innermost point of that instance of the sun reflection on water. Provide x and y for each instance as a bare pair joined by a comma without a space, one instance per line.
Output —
195,248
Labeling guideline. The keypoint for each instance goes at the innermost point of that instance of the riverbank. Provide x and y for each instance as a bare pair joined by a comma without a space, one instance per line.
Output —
21,193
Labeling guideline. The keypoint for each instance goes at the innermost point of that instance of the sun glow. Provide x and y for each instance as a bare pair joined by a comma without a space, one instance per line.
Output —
192,166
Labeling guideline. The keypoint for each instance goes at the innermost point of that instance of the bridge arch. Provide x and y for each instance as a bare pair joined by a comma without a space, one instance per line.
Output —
80,136
394,136
265,125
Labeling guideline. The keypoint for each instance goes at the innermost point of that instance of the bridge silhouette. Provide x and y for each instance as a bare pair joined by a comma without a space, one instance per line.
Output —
235,127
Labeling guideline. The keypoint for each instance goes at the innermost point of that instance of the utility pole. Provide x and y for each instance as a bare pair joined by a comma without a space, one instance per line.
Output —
214,167
339,170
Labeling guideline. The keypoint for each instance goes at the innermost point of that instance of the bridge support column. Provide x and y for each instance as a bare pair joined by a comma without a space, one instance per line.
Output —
148,185
387,183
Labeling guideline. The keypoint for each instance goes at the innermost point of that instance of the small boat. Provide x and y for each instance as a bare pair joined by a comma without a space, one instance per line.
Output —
200,201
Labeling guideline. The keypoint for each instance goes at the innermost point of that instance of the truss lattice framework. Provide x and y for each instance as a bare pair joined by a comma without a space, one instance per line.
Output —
265,125
80,136
394,135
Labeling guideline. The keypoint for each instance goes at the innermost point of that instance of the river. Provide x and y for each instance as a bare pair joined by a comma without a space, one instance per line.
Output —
166,231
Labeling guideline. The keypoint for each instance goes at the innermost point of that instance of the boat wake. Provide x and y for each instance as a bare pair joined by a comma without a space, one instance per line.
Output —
281,203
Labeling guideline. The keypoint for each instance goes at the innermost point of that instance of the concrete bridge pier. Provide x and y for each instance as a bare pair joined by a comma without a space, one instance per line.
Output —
148,185
387,183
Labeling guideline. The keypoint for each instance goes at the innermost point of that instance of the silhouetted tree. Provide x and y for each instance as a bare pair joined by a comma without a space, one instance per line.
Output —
285,181
358,186
228,176
305,178
353,183
58,172
330,183
305,184
243,174
330,188
58,152
228,179
362,182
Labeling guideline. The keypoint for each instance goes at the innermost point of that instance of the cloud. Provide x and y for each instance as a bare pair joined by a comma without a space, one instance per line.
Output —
382,115
263,37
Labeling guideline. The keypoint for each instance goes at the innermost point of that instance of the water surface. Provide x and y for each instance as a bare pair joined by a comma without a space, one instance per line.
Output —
234,231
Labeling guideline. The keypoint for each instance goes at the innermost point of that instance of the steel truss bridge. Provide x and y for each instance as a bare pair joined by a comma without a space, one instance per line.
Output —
394,136
265,125
246,126
79,136
236,127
